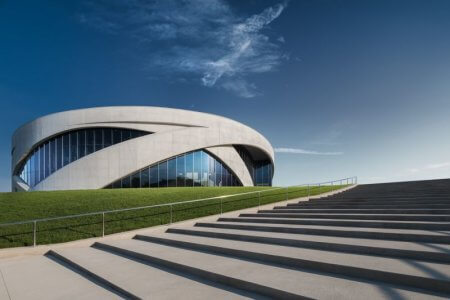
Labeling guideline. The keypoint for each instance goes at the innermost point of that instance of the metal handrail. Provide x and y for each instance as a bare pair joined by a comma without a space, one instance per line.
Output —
348,180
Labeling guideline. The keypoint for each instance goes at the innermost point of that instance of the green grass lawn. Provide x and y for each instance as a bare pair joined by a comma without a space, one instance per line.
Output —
37,205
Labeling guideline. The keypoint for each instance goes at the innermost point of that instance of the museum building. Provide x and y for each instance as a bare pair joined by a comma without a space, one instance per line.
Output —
137,147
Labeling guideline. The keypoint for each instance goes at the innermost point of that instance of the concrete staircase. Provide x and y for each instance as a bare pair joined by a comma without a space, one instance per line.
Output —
379,241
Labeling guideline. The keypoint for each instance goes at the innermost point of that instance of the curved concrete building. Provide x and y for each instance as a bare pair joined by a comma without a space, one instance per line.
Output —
138,147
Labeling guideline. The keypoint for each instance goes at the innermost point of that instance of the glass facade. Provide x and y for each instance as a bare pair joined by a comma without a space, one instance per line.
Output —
63,149
260,170
198,168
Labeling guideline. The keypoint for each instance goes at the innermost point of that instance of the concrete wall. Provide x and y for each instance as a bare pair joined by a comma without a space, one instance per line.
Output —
175,131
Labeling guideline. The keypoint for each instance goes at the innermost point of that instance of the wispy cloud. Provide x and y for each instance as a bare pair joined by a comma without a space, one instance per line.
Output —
428,168
303,151
438,165
204,38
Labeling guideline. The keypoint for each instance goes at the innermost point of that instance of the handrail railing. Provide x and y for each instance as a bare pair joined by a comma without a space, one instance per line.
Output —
347,181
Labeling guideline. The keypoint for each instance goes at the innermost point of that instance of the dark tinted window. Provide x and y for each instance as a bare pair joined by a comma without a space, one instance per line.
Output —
212,171
90,141
98,139
107,137
189,169
197,168
53,156
66,149
162,171
81,143
136,180
205,168
32,170
154,178
260,170
126,182
172,172
73,146
117,136
59,147
36,167
117,185
145,182
41,163
180,170
126,135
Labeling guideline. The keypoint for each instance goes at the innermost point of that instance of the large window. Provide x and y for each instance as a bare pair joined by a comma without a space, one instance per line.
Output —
66,149
162,171
73,146
260,170
198,168
145,180
189,169
53,154
81,143
181,170
154,179
172,173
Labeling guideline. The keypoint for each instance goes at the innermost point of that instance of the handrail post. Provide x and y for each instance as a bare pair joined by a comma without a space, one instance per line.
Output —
103,224
34,233
259,199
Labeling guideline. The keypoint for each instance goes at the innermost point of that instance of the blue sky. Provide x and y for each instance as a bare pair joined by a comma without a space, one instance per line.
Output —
340,88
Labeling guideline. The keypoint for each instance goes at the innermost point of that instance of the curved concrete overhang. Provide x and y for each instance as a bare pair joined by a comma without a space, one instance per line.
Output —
152,119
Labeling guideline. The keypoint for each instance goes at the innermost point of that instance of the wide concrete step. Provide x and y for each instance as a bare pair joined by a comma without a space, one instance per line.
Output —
358,223
225,271
37,277
347,196
419,236
393,217
402,272
367,247
288,209
406,245
142,280
278,280
377,206
374,202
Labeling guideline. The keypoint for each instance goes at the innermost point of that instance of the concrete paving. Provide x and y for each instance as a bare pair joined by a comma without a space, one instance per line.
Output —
38,277
139,278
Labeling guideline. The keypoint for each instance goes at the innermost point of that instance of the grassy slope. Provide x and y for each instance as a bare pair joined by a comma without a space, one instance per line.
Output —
35,205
